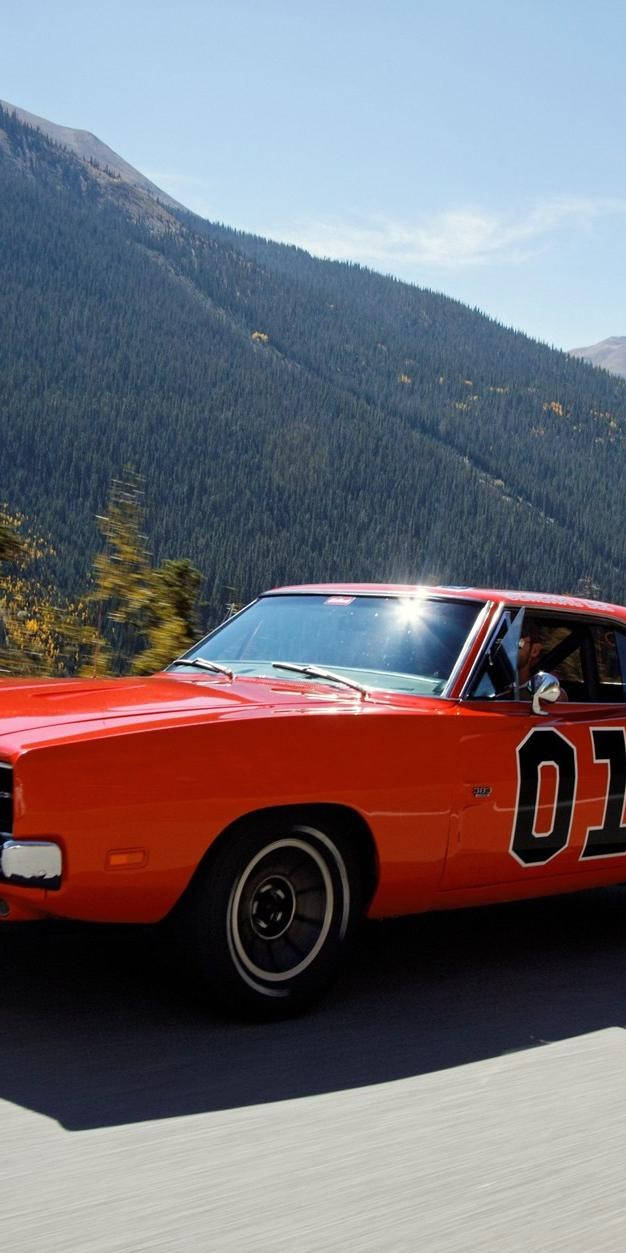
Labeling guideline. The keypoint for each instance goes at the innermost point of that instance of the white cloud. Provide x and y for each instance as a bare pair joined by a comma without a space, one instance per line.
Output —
452,239
197,194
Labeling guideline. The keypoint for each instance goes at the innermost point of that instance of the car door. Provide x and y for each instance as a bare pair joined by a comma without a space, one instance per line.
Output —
542,795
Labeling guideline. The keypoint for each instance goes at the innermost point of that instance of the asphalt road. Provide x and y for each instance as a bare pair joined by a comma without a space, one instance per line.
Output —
463,1087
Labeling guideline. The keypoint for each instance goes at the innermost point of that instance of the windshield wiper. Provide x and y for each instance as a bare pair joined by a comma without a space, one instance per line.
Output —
316,672
204,665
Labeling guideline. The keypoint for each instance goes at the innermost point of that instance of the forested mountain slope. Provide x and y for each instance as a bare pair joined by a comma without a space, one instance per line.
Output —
294,419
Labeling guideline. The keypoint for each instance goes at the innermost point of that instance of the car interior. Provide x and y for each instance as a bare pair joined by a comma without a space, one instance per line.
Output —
588,657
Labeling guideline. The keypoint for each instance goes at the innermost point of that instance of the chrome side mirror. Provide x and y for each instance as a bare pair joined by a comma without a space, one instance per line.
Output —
543,686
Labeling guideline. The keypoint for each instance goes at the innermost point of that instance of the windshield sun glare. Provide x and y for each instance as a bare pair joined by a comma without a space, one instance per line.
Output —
407,644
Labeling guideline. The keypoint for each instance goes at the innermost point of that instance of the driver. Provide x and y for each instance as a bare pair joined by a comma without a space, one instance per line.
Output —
529,653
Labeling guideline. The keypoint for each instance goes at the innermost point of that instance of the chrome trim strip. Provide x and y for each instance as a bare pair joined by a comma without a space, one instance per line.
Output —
479,622
31,863
417,591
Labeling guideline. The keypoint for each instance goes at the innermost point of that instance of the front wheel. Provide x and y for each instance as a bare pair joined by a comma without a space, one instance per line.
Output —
272,915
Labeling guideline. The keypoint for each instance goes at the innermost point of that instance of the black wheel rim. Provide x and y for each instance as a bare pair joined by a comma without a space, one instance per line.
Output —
281,910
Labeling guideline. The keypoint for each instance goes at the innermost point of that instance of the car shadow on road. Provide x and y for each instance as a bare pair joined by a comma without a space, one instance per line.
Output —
96,1031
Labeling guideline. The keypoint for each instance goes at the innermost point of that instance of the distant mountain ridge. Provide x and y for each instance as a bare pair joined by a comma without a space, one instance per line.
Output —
295,419
89,148
610,354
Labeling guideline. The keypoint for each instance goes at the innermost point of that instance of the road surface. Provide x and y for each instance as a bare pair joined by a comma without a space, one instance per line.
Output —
462,1088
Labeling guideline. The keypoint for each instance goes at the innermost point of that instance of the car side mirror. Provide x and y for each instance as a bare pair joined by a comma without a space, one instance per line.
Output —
543,686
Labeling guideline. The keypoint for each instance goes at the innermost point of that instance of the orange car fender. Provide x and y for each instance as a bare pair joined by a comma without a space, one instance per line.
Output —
161,796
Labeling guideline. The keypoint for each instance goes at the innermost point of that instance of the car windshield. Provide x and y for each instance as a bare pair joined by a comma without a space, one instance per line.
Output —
404,643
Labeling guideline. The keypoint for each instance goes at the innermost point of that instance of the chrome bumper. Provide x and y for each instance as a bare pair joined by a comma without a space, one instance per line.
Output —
30,863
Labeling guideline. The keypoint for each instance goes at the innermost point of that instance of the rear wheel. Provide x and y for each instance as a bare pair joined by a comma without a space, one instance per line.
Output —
272,915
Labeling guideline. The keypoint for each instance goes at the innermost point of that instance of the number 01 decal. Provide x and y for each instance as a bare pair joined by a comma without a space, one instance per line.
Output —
543,748
608,840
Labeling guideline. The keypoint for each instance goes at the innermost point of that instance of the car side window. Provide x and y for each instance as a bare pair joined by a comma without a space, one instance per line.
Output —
610,655
586,656
560,651
620,639
496,677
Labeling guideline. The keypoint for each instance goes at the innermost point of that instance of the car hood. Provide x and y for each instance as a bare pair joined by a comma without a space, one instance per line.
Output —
36,711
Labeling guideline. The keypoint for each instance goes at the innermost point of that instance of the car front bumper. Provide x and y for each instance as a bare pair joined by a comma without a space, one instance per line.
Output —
30,863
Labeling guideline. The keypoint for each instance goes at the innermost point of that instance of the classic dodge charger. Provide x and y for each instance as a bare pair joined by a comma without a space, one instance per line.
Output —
331,751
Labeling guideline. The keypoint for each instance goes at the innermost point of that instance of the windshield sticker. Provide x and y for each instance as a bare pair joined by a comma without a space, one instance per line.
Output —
339,600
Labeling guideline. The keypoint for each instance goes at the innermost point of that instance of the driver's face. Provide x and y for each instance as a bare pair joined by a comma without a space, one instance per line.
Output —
527,653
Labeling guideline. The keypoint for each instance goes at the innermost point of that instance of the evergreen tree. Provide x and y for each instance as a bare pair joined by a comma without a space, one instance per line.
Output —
144,616
40,632
172,615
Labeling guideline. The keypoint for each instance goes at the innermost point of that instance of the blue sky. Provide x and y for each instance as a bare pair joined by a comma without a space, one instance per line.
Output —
475,148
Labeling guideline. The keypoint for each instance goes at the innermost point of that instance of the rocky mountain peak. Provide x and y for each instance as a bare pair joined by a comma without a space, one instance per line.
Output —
89,148
609,353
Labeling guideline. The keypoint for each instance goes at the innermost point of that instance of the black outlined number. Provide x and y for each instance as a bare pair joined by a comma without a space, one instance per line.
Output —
609,745
542,748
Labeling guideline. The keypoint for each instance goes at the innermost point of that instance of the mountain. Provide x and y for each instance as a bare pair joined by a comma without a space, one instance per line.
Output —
91,149
294,419
609,353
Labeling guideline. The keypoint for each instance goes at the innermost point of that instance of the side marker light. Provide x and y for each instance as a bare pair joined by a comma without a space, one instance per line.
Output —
126,858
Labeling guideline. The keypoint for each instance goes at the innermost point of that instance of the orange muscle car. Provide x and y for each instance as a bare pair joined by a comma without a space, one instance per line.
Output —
329,751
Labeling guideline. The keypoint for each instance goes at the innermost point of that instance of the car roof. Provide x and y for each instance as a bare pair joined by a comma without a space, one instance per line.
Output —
538,600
